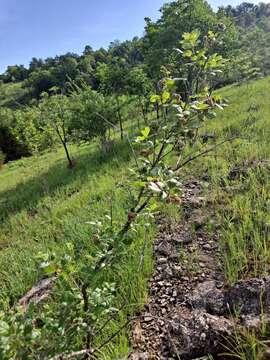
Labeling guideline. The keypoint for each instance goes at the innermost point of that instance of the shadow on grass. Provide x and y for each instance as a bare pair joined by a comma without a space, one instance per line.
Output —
27,195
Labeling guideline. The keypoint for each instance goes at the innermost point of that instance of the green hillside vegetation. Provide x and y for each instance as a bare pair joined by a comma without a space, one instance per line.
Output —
48,211
9,93
50,214
247,32
95,149
238,177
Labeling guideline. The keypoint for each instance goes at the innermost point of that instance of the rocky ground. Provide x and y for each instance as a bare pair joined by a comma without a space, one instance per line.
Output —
190,307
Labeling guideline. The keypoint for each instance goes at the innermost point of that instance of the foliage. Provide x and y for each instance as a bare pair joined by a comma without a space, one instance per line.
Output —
92,114
15,73
113,77
247,31
39,81
164,35
71,203
85,297
11,140
55,222
55,111
139,84
253,38
181,118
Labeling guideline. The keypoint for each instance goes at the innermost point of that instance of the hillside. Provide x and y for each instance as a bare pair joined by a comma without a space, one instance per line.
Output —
10,93
134,191
245,30
50,221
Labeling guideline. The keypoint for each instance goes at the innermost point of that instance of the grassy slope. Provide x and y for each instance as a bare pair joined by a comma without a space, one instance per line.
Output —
43,205
41,201
239,187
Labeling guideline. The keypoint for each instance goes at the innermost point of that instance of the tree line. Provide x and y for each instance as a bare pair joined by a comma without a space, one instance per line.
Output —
88,94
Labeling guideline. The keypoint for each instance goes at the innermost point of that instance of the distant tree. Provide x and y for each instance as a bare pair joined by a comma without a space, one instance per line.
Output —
162,36
35,64
49,63
87,71
92,114
10,144
101,56
253,37
40,81
15,73
247,14
67,69
113,77
88,50
56,111
130,51
139,84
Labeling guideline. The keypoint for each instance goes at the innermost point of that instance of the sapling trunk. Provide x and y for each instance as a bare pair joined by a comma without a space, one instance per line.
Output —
64,143
143,112
157,111
70,162
120,118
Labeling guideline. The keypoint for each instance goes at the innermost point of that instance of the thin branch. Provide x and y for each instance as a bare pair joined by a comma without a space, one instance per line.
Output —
107,121
111,317
106,342
205,152
169,151
133,152
75,354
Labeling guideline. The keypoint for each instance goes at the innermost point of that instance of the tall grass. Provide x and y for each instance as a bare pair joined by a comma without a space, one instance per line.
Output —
238,175
44,206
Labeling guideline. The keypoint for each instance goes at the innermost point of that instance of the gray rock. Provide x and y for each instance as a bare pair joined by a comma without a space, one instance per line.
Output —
207,296
197,333
249,296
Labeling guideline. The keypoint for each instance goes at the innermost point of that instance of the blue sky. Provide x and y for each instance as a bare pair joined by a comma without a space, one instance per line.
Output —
44,28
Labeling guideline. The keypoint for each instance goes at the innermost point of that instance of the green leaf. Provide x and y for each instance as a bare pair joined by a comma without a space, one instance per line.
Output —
155,99
165,97
200,106
145,133
191,37
188,53
139,183
170,83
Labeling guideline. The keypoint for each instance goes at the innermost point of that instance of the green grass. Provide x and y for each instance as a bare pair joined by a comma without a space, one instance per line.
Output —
44,206
43,203
238,175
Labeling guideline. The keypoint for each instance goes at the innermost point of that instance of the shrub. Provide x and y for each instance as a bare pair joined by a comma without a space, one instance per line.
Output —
92,114
22,133
10,145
